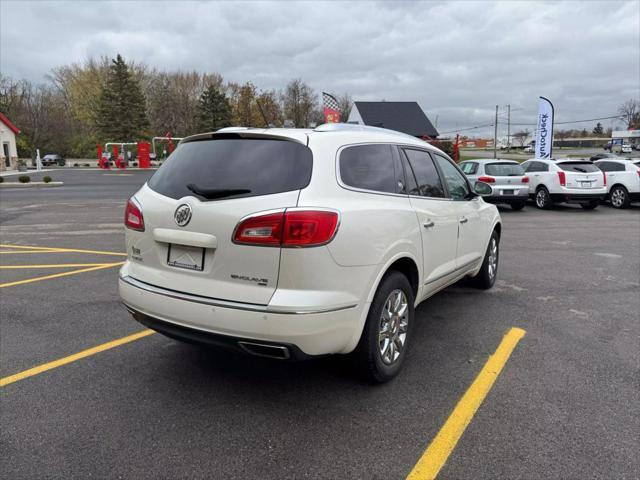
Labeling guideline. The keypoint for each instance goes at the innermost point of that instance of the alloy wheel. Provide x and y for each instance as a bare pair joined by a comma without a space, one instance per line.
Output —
493,258
394,321
617,198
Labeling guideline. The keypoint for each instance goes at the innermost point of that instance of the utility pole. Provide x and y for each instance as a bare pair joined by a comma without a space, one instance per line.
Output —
495,136
508,128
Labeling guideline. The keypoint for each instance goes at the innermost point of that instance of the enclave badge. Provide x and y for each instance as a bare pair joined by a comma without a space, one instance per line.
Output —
182,216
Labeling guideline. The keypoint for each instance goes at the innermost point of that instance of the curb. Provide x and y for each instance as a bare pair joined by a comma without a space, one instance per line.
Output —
30,185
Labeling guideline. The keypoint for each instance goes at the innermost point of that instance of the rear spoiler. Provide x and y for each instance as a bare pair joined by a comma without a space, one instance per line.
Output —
246,132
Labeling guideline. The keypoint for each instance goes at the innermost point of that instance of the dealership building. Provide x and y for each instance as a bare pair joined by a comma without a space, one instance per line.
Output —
8,150
631,137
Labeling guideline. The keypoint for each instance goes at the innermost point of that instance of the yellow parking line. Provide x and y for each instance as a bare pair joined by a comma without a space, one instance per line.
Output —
445,441
25,247
57,275
53,265
72,358
58,250
28,251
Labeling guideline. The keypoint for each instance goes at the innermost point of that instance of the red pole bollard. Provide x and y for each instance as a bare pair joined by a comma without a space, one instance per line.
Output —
456,148
99,147
144,159
115,155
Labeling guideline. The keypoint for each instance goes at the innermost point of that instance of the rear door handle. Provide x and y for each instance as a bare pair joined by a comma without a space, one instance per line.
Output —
464,220
428,224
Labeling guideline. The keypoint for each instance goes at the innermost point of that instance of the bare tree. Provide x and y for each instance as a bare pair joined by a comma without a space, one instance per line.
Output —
521,136
345,102
298,102
630,112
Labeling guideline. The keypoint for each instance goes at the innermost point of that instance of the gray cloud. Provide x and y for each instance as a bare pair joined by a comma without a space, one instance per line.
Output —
457,59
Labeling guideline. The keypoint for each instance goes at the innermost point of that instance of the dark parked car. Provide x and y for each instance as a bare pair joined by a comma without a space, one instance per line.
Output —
52,159
604,156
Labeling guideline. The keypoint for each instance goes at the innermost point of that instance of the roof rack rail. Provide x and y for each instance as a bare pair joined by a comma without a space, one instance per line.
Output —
356,127
233,129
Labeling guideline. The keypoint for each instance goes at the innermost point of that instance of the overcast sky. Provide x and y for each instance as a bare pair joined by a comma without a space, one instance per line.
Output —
457,59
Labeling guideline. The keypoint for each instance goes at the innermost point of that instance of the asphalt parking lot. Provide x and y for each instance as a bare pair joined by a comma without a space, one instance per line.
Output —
565,404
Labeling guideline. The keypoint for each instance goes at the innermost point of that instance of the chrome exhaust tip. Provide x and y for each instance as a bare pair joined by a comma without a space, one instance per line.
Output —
261,350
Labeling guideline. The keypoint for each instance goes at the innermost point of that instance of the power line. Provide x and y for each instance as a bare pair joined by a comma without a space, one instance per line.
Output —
468,128
571,121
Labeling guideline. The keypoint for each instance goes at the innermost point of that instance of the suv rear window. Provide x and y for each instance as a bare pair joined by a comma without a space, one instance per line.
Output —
246,166
580,167
503,169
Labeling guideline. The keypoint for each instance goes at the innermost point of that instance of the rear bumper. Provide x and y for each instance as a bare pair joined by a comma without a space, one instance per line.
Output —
211,321
521,197
578,197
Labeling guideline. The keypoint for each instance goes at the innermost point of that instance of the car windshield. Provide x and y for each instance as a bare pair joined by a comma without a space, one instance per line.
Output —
504,169
580,167
234,166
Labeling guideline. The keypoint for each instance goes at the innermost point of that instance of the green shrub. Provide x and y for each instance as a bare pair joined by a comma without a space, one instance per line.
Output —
1,179
46,179
135,164
75,164
86,165
24,178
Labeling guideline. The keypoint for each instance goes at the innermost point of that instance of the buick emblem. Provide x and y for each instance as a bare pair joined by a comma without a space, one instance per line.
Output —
182,215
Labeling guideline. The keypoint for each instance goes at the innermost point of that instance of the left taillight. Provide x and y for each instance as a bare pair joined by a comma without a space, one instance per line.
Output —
604,178
291,228
133,218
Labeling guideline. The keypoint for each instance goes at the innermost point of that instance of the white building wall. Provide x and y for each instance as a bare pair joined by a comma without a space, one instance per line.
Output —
354,116
8,137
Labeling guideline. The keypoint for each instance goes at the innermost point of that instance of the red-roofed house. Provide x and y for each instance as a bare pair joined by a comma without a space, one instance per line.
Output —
8,150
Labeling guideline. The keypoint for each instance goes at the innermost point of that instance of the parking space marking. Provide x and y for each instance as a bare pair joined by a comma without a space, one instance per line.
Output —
57,275
28,251
72,358
436,455
51,265
60,250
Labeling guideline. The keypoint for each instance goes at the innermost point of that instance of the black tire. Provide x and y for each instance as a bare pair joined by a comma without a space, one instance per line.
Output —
543,199
367,356
486,277
518,205
619,197
590,205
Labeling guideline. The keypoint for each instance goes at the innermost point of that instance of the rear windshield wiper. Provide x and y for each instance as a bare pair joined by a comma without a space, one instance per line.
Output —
213,193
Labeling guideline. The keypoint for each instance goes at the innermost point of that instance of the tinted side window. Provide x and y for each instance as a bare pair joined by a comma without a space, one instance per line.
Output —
428,183
456,181
616,167
370,167
469,168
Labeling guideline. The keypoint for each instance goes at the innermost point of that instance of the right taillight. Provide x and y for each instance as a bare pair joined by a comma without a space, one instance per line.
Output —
525,179
486,179
563,178
291,228
604,178
133,218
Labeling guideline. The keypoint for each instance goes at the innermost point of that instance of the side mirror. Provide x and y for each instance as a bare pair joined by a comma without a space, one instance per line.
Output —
482,188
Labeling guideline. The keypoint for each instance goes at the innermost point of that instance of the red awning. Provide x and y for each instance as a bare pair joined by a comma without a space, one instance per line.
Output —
8,123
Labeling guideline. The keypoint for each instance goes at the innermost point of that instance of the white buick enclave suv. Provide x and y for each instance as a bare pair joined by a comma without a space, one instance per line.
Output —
291,243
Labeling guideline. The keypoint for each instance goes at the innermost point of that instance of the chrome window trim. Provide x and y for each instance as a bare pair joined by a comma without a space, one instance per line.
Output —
377,192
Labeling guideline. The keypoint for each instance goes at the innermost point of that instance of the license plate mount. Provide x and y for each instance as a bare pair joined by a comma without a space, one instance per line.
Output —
507,192
185,256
